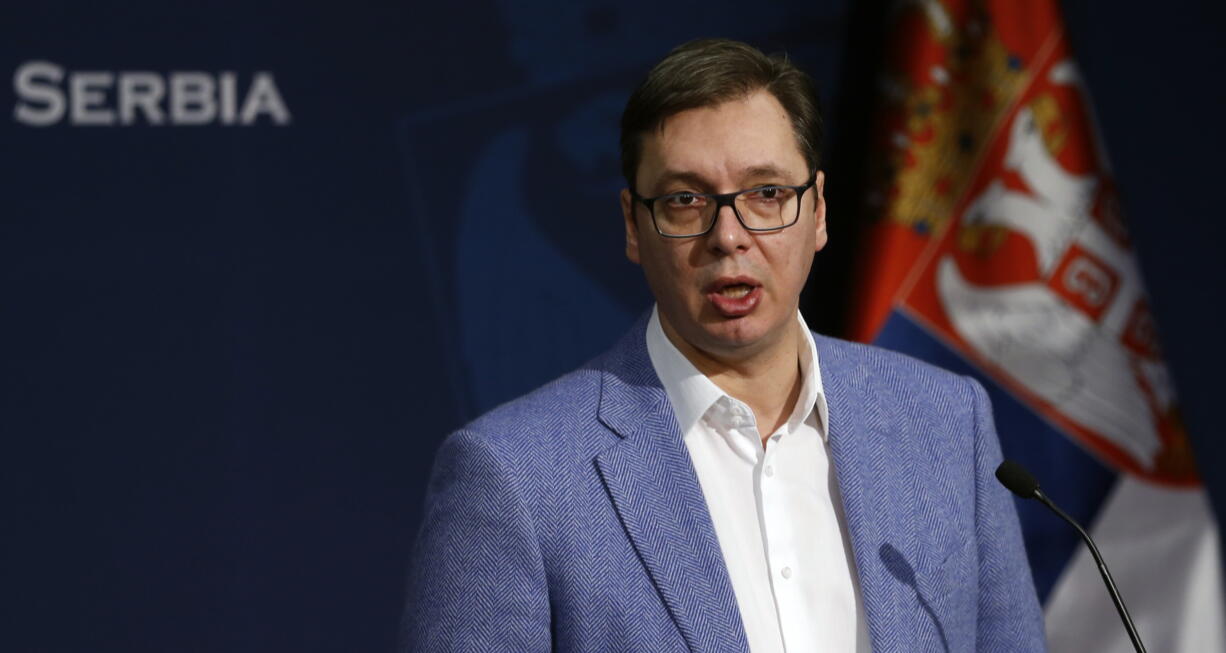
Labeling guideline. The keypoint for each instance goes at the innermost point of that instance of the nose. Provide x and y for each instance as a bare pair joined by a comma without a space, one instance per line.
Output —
728,235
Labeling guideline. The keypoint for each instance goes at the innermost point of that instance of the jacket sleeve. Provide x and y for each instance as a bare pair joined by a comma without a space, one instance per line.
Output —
1009,616
477,582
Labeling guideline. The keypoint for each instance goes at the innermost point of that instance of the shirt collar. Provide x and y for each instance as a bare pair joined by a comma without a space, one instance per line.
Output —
692,394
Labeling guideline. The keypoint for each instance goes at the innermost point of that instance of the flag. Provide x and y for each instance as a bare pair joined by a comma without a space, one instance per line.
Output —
998,248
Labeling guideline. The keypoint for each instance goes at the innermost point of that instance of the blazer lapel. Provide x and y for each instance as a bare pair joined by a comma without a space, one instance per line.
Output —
653,486
876,490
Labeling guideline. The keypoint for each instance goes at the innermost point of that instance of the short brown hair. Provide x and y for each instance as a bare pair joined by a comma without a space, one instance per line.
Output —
709,72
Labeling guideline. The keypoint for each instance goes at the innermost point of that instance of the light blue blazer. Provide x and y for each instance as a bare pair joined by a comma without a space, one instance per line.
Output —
572,519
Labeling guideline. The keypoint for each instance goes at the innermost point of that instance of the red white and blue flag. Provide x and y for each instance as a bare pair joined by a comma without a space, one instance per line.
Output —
1000,250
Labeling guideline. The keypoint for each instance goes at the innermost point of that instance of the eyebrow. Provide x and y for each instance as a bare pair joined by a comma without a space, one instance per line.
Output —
683,176
688,177
767,170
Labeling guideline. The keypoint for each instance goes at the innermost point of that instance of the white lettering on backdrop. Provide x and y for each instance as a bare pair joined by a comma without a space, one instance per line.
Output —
48,95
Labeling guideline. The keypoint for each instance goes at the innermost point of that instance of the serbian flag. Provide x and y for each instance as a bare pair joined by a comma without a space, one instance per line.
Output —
998,248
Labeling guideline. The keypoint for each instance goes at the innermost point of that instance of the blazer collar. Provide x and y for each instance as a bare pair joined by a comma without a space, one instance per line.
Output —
653,486
876,485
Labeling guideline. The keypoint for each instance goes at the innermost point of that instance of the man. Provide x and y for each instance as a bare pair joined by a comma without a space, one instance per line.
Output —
723,479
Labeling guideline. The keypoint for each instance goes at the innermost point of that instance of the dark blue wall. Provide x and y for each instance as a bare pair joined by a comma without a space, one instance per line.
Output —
229,352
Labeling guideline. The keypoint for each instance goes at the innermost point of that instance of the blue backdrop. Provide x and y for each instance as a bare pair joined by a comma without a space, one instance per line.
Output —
230,348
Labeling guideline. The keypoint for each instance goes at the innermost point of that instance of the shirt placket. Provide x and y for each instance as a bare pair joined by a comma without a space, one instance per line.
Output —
780,552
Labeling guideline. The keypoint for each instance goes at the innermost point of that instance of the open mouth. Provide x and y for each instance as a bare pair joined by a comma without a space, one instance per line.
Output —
734,297
736,290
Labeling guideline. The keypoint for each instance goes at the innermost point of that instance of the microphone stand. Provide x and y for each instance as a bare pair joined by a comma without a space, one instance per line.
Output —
1019,481
1102,569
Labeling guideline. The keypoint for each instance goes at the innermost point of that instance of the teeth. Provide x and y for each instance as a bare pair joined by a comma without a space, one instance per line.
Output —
735,292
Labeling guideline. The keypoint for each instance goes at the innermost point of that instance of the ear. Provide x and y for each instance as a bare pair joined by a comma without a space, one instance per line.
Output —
632,232
819,187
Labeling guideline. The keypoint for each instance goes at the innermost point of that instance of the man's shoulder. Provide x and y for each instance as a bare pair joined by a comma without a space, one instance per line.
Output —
560,420
569,399
551,427
873,367
856,356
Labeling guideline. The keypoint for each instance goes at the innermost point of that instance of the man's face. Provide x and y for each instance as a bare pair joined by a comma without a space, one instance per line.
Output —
701,283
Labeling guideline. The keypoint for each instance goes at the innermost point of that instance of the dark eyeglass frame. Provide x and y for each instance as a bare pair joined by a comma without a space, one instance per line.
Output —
721,200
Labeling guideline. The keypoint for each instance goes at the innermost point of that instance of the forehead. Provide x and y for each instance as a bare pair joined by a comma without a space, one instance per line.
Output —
724,144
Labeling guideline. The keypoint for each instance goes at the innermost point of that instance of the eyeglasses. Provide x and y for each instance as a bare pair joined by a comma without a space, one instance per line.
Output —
685,215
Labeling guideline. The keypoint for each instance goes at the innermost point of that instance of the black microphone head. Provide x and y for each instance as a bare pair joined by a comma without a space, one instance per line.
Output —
1017,479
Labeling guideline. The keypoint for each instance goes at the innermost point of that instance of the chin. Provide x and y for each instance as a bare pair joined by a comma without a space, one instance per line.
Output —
737,332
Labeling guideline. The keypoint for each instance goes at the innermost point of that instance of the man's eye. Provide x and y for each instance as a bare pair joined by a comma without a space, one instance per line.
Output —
769,194
684,200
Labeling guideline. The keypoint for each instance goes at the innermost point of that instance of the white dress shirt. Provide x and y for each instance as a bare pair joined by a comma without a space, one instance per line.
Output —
776,509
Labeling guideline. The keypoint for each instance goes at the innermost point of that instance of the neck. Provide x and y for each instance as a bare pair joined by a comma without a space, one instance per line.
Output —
768,380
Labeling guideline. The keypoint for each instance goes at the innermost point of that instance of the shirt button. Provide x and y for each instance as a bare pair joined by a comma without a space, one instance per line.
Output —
787,572
770,471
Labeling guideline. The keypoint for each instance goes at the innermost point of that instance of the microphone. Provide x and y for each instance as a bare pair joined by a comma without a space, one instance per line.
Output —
1019,481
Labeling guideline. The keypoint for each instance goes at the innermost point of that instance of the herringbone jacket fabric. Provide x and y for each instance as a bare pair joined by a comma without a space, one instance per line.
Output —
571,519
